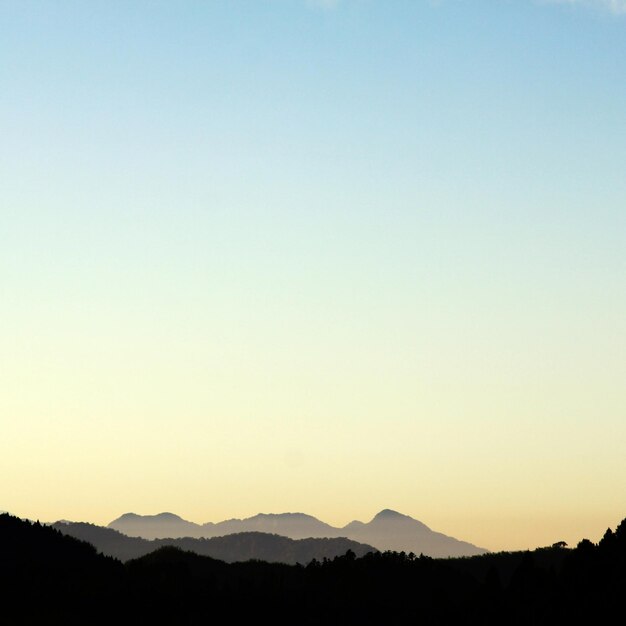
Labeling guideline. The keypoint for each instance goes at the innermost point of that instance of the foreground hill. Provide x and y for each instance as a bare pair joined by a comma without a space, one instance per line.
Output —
230,548
48,578
388,530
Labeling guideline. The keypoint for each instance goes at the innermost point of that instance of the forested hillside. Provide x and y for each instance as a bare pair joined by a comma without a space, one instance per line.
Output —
50,578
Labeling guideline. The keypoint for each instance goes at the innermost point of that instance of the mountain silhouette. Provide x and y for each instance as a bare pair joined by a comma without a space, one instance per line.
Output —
49,578
231,548
156,526
388,530
292,525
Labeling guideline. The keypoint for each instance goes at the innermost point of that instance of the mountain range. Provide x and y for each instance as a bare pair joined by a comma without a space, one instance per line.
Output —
388,530
231,548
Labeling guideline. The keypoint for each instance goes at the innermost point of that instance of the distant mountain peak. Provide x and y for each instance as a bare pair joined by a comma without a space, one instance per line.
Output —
128,516
301,516
355,523
168,516
389,514
165,516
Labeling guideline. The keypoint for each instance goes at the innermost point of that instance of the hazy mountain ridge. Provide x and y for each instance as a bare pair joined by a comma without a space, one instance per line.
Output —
230,548
388,530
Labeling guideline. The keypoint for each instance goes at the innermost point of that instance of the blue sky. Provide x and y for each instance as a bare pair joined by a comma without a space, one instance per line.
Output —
289,226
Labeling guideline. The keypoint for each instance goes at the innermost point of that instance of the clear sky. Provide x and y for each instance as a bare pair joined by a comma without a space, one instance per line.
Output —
320,256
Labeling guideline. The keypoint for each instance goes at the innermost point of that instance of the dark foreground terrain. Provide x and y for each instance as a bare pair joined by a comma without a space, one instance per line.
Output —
49,578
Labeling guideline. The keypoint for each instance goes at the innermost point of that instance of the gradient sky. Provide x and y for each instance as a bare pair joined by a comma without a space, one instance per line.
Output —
331,257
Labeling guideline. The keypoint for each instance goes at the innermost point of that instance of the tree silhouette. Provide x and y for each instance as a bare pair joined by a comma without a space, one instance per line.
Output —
47,577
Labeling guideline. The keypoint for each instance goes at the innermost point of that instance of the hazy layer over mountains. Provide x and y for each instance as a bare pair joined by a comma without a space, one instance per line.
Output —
388,530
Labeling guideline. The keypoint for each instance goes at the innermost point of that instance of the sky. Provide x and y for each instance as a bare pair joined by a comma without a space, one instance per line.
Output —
320,256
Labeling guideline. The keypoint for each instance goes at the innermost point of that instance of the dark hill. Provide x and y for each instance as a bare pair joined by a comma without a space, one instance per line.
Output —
106,540
47,577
